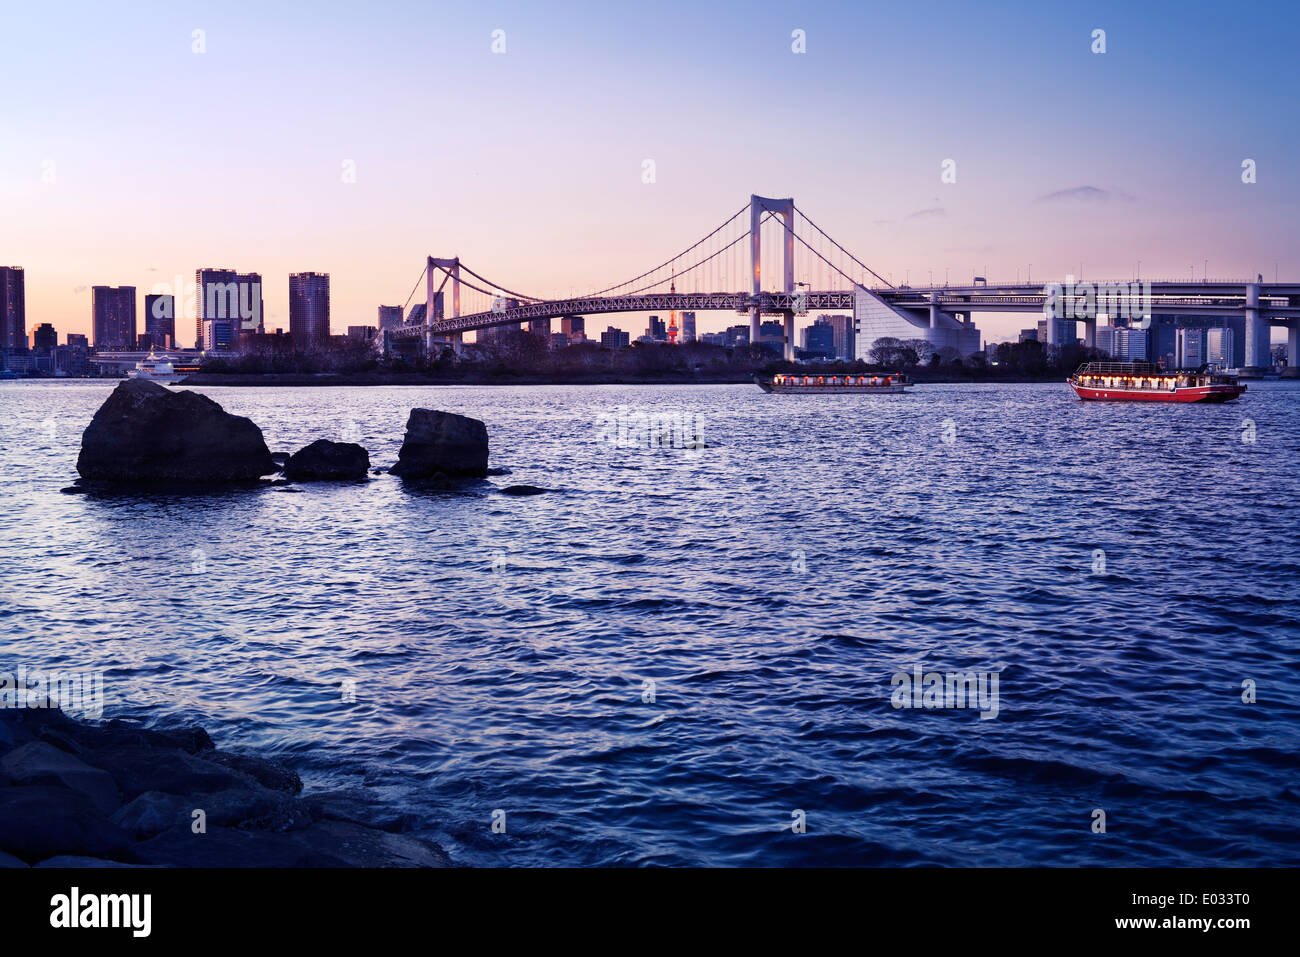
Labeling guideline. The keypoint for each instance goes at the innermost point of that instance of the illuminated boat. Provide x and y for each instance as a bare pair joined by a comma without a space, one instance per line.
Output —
879,383
1144,382
153,367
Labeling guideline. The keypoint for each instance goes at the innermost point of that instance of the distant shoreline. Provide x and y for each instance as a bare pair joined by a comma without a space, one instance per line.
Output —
288,379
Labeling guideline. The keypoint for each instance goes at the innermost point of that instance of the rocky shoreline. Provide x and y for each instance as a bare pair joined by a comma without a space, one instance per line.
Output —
76,794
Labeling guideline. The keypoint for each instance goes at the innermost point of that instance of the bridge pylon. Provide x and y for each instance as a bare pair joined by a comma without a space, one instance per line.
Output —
452,266
784,208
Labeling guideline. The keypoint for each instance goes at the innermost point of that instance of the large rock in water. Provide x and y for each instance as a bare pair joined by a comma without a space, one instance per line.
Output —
146,433
442,443
328,460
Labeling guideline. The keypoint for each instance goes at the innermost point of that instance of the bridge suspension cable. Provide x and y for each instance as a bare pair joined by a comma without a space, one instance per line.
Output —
415,287
841,249
508,292
739,239
727,222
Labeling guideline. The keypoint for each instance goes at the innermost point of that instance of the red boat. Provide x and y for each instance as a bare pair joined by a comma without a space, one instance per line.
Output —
1145,382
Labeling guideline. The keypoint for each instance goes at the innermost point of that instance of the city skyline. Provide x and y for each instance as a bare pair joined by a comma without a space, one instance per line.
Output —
1056,167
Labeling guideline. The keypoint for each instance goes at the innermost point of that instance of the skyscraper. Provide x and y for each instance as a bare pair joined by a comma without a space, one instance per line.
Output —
1189,348
160,320
688,327
573,327
309,308
113,309
613,338
227,304
13,309
389,316
657,330
1219,348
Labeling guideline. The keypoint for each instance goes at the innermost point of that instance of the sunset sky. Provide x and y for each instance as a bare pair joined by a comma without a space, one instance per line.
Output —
126,158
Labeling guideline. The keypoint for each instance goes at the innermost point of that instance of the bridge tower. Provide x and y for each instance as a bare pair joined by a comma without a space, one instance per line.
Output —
430,294
785,209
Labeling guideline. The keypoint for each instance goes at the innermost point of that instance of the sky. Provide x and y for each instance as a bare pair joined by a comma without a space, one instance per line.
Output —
131,153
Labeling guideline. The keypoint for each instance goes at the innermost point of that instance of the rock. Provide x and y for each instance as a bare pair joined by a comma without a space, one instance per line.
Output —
523,490
8,860
137,769
356,806
500,470
260,808
146,433
38,763
232,847
151,813
39,822
73,490
268,773
279,458
442,442
361,846
326,460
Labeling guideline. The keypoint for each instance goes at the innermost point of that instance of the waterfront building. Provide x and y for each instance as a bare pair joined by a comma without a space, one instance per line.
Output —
559,340
13,309
309,309
613,338
540,328
688,327
657,331
113,317
737,335
1029,335
1189,348
1219,349
874,319
819,338
364,333
842,327
573,327
160,321
44,338
389,317
232,299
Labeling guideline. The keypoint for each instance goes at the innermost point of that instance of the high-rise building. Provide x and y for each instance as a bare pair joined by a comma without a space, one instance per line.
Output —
364,333
688,327
574,327
819,338
737,335
1219,348
613,338
44,338
160,321
540,327
842,330
1189,348
231,299
389,316
13,309
309,308
657,330
1129,345
113,309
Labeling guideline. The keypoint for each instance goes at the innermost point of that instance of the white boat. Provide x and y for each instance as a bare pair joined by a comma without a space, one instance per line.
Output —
153,367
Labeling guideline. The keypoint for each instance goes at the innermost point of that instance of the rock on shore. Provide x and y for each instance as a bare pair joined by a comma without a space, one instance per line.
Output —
83,795
147,433
324,460
442,443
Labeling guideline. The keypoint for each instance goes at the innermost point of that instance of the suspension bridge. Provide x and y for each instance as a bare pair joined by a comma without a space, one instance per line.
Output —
815,273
